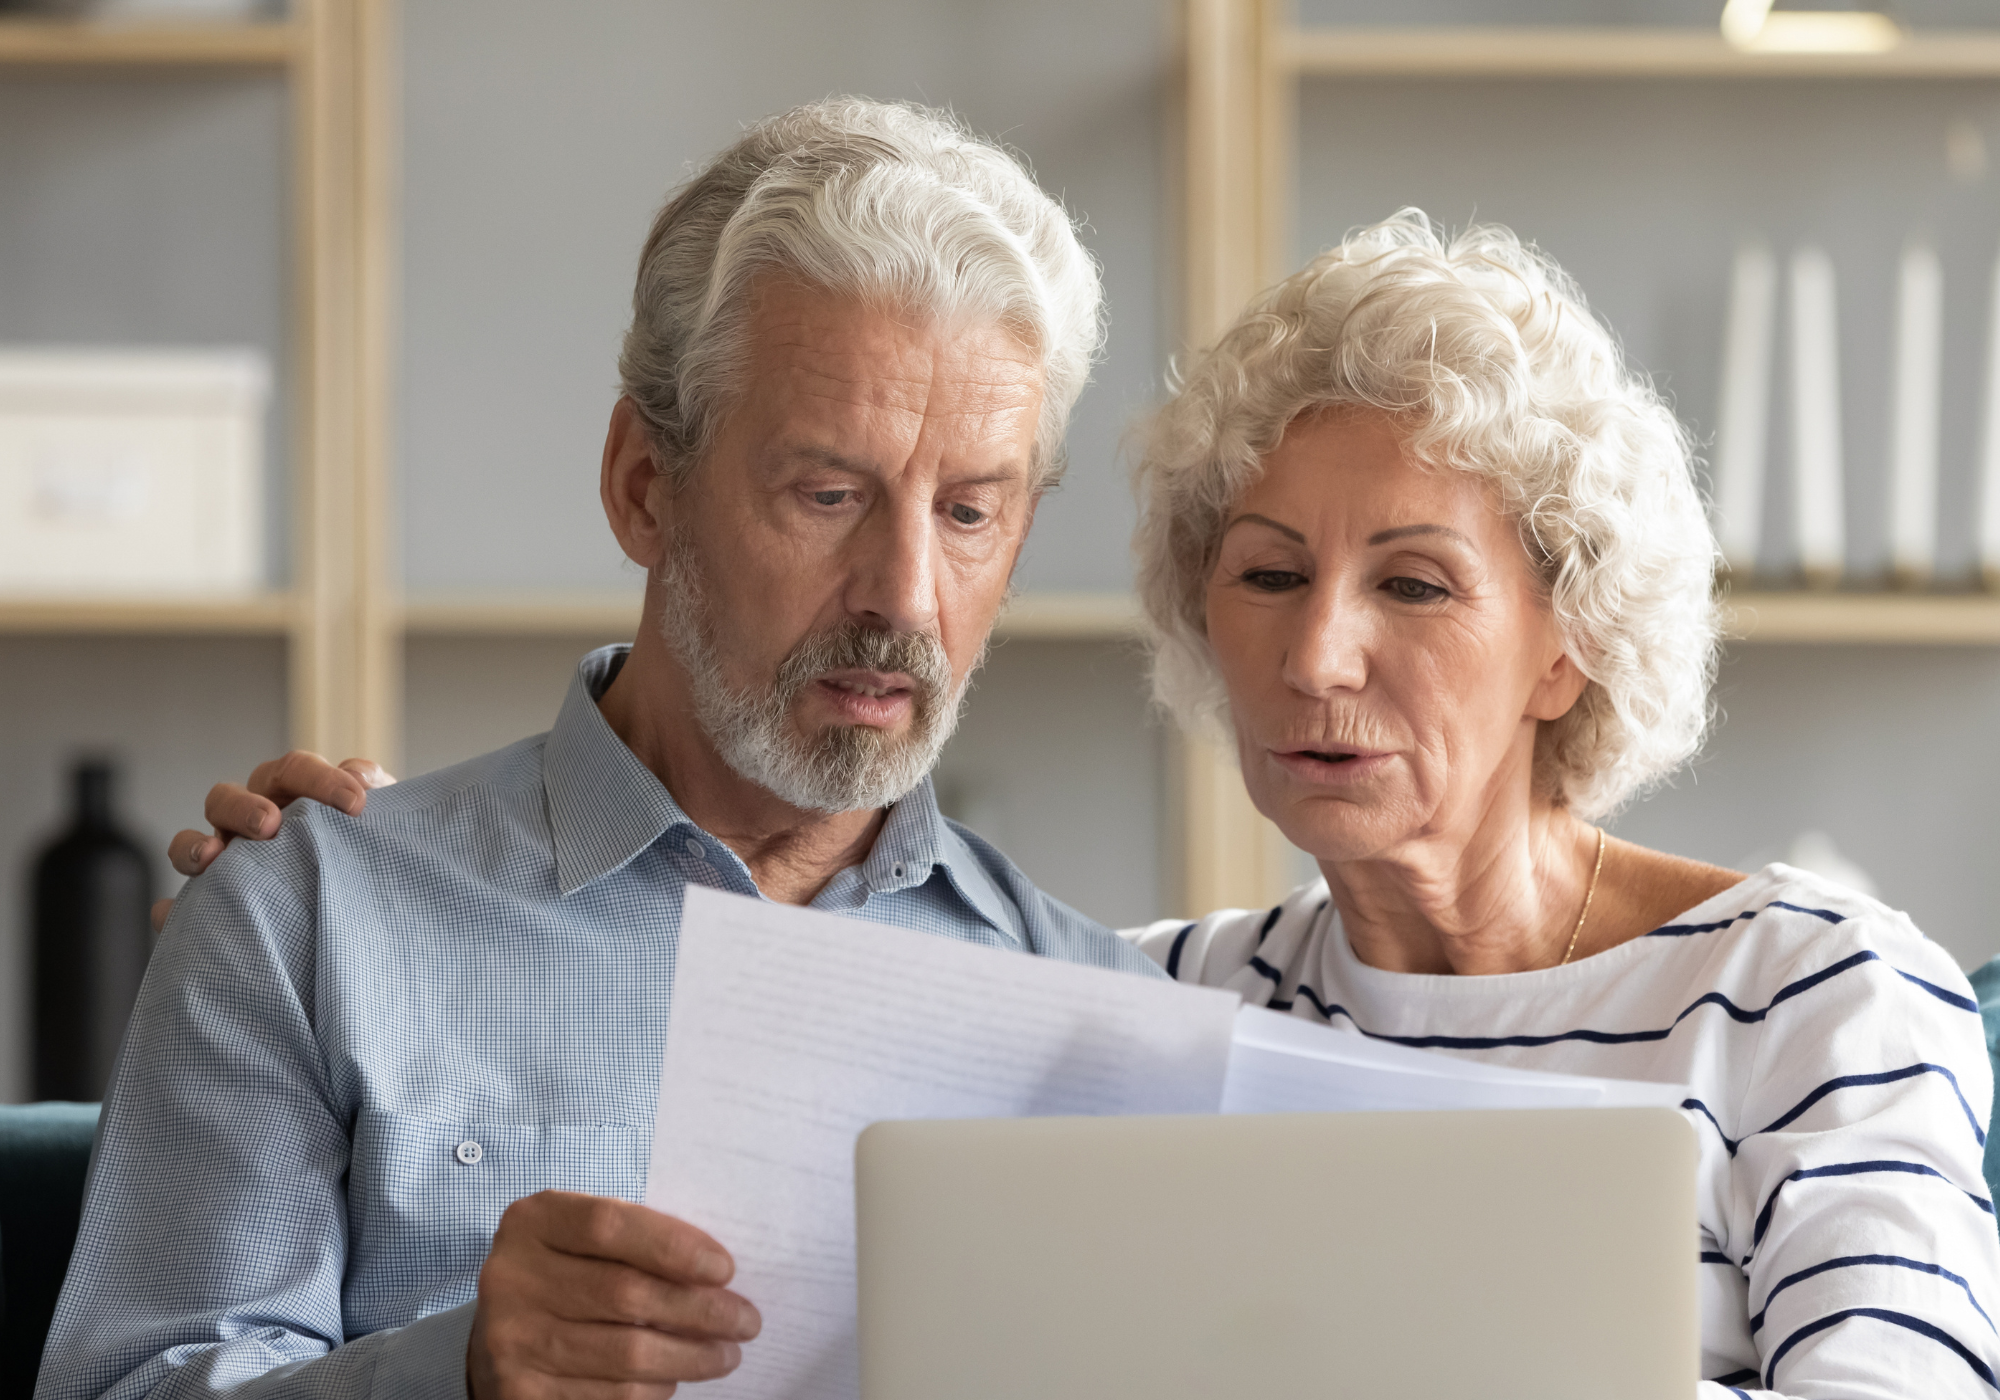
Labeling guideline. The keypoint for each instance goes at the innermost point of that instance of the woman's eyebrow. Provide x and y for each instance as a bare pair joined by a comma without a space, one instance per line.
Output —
1403,531
1250,518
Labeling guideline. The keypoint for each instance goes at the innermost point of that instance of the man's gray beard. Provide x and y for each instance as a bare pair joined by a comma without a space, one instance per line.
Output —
844,768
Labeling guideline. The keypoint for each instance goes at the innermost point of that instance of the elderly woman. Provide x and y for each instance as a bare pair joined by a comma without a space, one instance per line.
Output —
1415,534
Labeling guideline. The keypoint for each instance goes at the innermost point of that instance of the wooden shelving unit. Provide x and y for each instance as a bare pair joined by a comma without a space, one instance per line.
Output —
335,617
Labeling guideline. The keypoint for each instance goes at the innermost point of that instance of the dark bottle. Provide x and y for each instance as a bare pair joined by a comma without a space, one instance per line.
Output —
93,890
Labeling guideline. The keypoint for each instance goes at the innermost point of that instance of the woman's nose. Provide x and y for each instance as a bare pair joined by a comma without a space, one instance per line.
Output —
1328,651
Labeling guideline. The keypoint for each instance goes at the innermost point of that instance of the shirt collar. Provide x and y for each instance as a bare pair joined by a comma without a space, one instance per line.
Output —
605,807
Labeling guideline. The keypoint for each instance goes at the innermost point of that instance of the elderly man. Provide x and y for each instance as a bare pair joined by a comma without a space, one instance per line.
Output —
385,1104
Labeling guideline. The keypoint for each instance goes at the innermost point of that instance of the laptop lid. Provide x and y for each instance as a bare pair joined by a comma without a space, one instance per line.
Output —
1540,1254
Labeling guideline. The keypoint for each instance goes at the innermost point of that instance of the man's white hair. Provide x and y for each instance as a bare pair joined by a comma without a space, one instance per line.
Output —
887,202
1484,352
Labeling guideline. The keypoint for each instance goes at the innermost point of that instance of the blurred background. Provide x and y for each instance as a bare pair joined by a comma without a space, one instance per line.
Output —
381,255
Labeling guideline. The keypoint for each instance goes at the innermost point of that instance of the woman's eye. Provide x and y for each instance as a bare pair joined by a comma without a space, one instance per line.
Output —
1273,580
967,515
1415,590
831,498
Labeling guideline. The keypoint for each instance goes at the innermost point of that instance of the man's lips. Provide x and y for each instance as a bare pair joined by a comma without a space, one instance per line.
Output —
876,698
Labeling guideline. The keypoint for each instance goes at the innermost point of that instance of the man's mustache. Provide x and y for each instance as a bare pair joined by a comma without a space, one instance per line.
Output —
851,646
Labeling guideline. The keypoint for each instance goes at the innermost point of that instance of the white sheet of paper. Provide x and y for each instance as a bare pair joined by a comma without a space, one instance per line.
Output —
1282,1064
793,1030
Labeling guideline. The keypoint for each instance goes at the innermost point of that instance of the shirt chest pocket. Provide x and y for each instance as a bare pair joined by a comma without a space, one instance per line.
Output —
425,1195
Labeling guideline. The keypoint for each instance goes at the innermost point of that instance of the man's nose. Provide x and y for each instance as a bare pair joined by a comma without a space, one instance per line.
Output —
893,571
1328,650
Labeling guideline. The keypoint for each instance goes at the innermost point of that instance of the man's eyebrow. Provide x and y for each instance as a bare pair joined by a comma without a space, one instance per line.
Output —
823,456
1251,518
1405,531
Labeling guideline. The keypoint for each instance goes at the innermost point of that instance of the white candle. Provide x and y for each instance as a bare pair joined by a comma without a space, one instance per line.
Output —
1743,425
1989,452
1818,515
1913,441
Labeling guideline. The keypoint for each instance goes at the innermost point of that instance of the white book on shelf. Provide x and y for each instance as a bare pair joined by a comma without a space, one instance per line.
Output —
1744,425
1817,492
1913,428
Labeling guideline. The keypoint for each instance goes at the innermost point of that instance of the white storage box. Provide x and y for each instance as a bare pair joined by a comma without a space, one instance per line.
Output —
132,472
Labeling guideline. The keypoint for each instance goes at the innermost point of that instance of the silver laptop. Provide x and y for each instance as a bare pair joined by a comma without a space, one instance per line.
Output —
1540,1254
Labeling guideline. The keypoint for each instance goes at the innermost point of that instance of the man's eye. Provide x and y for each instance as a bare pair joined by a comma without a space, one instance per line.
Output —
1415,590
831,498
1273,580
967,515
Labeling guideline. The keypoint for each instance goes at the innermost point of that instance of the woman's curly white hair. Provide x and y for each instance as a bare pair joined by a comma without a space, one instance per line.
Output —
1485,353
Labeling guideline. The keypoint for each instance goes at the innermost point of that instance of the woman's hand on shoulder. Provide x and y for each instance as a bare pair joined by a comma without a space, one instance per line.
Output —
252,809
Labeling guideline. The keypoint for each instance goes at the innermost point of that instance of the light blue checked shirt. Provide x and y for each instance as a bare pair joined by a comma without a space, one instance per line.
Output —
359,1041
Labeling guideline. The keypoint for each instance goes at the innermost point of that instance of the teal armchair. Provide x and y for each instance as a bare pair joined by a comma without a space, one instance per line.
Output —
44,1155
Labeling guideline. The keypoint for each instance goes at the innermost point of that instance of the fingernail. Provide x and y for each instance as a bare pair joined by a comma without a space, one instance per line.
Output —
749,1322
712,1266
257,825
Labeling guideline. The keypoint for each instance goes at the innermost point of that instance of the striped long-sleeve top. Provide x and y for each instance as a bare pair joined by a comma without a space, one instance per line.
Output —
1839,1079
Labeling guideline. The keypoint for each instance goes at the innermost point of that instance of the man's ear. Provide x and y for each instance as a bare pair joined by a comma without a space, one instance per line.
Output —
636,499
1557,692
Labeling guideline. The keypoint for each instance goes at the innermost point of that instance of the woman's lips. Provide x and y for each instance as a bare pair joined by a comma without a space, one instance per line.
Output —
1330,767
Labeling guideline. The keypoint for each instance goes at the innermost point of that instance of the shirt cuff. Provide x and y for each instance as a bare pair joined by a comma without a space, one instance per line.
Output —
425,1360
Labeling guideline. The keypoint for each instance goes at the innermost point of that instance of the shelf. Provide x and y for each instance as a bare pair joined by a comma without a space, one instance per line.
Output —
1605,52
1969,619
268,615
1071,616
1031,616
24,41
522,615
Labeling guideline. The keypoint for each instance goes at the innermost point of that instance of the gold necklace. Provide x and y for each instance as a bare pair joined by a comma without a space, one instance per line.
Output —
1588,895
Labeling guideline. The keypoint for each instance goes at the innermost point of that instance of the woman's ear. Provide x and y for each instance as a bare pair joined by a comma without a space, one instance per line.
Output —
636,499
1558,690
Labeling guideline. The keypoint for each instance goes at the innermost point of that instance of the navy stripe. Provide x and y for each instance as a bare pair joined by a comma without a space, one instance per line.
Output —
1270,922
1849,1081
1856,1260
1683,930
1740,1394
1826,914
1887,1076
1504,1042
1914,1324
1174,953
1262,968
1854,1169
1709,1256
1949,998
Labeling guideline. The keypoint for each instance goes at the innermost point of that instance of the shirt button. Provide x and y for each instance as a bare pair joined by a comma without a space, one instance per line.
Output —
897,870
694,848
469,1152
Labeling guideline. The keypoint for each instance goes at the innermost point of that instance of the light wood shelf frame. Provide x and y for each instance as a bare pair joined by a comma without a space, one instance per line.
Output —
1245,60
87,43
338,616
611,615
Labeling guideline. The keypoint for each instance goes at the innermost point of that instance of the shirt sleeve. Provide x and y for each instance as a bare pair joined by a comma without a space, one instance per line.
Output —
213,1240
1859,1216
